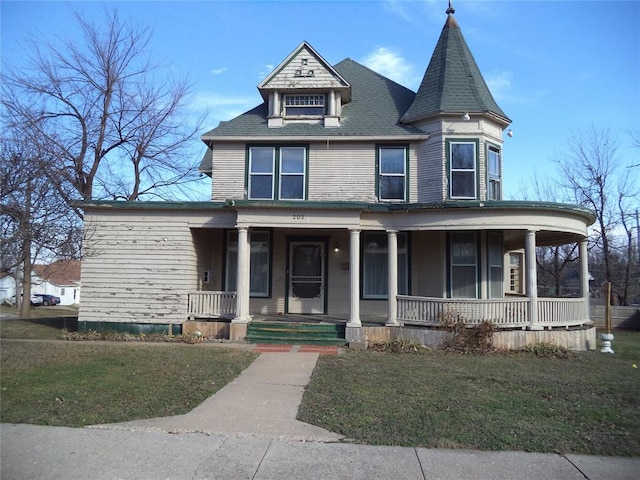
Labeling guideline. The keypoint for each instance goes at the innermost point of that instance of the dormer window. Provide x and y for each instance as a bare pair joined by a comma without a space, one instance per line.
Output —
304,105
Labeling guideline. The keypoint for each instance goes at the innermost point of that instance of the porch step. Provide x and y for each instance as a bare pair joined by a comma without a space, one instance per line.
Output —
296,333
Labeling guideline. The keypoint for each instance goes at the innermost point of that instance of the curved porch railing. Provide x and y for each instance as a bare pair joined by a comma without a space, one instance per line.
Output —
211,304
502,312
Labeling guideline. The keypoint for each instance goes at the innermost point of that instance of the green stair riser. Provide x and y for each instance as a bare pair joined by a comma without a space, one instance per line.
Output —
299,333
295,341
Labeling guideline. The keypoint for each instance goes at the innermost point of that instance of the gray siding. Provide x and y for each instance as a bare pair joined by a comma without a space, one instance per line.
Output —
286,78
228,171
138,267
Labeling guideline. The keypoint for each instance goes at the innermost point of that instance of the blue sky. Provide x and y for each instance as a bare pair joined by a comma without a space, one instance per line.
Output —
554,67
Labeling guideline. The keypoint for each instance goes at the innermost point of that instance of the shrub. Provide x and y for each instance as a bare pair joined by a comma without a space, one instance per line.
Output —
465,338
399,345
546,350
93,335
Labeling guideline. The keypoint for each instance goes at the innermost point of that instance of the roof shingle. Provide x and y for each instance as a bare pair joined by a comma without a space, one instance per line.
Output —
453,82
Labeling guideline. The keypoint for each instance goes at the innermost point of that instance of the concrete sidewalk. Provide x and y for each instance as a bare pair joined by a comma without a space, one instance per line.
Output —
60,453
249,430
261,402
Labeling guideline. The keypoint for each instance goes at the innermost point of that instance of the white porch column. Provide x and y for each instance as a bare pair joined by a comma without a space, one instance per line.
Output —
243,285
584,276
392,241
532,278
354,277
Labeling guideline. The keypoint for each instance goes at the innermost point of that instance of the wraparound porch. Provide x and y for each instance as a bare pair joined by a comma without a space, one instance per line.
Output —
507,313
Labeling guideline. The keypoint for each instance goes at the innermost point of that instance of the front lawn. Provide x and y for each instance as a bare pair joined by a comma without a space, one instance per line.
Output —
589,403
85,383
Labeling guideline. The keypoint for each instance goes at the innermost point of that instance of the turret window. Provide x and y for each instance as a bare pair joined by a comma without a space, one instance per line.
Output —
494,186
462,169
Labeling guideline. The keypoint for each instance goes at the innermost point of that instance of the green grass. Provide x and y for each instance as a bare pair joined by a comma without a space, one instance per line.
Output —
586,404
77,384
46,323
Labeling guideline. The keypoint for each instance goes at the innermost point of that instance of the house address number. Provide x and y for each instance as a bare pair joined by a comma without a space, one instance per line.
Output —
298,217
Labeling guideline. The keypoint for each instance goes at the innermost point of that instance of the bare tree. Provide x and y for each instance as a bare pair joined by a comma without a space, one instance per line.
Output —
111,124
592,170
555,264
35,222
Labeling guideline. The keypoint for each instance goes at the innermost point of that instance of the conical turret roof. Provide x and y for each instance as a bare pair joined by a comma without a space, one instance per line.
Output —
453,82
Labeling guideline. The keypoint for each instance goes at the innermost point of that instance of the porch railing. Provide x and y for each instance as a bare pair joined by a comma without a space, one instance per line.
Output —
211,304
503,312
560,312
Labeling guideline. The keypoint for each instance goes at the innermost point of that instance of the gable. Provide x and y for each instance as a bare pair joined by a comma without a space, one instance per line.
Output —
303,69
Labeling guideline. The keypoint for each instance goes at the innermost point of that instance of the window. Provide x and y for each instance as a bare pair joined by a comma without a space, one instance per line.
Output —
261,172
515,272
206,275
463,261
292,169
495,258
392,173
462,162
62,290
375,263
494,186
259,262
304,105
277,173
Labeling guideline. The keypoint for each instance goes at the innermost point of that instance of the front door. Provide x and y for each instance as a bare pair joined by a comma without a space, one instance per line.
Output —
306,283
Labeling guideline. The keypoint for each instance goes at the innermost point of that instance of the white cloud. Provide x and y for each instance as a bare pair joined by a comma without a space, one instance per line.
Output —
499,83
266,70
223,107
218,71
391,64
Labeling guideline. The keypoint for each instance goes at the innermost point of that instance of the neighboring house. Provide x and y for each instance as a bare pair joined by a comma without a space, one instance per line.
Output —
347,197
7,287
60,278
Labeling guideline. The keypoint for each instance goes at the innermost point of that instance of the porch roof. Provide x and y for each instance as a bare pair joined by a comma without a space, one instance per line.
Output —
485,206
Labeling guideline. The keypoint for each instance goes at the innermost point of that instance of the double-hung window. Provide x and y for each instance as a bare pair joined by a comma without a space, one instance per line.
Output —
375,265
463,262
515,272
259,262
261,172
392,173
494,184
277,173
495,260
304,105
462,169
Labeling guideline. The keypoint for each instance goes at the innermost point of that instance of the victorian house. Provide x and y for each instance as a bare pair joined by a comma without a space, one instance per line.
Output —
348,200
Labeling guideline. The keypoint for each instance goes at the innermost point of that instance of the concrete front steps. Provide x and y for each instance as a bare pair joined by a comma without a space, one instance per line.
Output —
296,333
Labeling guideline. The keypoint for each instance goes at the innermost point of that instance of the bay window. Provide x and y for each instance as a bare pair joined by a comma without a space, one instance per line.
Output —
463,260
495,258
375,265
